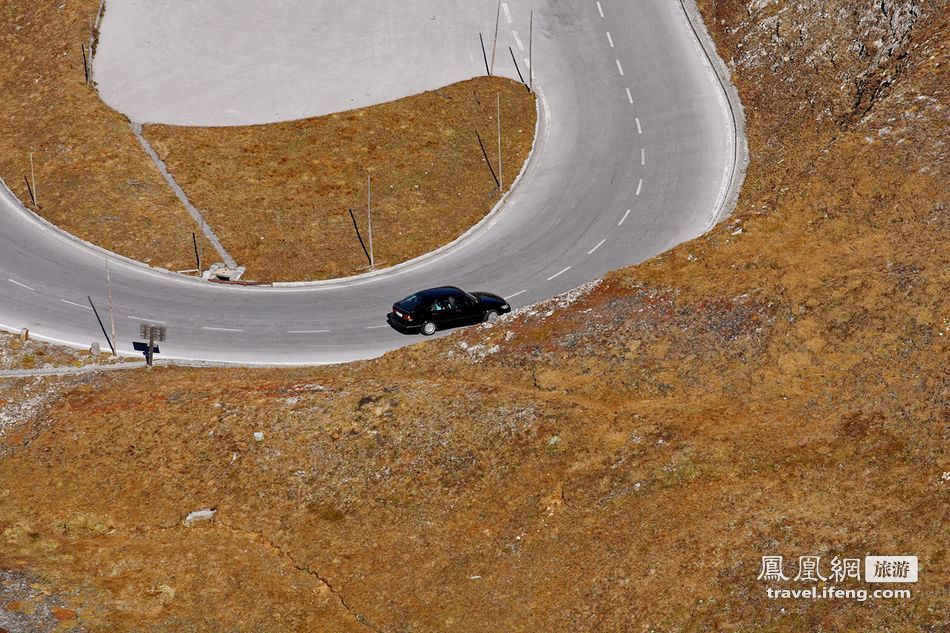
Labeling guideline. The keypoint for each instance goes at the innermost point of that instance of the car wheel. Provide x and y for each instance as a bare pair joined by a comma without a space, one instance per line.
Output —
491,316
429,328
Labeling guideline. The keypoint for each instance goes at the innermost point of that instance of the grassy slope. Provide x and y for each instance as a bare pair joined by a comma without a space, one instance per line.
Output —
288,219
619,464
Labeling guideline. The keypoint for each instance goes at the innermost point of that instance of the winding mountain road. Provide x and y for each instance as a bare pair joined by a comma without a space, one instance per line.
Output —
637,149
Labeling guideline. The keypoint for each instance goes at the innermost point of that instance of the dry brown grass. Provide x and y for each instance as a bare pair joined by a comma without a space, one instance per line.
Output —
277,195
92,177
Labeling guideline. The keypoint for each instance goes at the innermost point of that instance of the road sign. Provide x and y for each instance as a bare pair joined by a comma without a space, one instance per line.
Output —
153,333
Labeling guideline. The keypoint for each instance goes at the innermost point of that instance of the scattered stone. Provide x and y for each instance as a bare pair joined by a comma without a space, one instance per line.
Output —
94,350
223,273
258,436
199,515
24,334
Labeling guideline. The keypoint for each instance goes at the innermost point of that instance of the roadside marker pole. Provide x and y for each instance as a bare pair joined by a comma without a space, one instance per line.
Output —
501,180
530,60
85,64
358,235
201,246
487,160
518,68
101,326
369,213
111,313
194,239
30,190
495,40
36,194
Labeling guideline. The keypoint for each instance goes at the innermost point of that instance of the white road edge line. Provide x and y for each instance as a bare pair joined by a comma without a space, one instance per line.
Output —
558,274
629,96
600,9
599,244
307,331
639,129
220,329
78,305
610,39
619,67
14,281
136,318
639,185
624,217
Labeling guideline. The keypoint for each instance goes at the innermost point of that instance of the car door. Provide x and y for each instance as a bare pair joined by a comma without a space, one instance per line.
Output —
470,311
455,312
440,312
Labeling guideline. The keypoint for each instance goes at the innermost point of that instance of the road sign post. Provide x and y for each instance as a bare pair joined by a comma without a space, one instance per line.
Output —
153,333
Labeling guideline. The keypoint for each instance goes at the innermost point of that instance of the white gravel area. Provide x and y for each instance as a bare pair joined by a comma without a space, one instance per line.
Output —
237,62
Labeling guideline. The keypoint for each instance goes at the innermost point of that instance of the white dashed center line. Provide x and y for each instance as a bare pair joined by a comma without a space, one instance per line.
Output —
376,327
504,7
639,186
15,282
600,9
78,305
610,40
136,318
558,274
639,129
643,156
518,41
221,329
520,292
629,96
307,331
619,67
624,217
599,244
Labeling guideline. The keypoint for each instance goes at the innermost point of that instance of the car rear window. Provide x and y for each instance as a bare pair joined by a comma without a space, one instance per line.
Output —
410,303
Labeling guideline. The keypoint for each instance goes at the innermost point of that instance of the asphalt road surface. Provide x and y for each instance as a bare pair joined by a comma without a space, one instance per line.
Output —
637,150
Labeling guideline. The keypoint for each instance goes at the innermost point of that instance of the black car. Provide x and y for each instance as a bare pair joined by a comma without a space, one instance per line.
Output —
441,308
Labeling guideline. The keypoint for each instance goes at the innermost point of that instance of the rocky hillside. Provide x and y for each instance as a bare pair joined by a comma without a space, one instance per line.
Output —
619,459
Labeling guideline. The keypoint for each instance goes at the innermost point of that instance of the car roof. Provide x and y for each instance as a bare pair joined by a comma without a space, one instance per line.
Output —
438,292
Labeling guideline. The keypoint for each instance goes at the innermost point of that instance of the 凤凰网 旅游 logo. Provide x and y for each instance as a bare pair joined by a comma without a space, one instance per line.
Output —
814,577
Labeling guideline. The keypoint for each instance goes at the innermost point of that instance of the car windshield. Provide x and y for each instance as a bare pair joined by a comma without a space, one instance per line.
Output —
410,303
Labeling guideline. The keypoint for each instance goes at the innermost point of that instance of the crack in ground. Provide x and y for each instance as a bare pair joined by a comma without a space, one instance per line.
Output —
217,523
300,567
